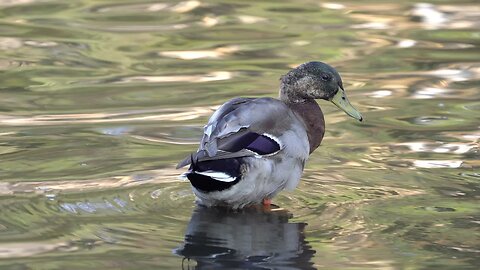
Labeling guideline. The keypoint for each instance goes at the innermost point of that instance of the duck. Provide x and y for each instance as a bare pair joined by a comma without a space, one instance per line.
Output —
253,148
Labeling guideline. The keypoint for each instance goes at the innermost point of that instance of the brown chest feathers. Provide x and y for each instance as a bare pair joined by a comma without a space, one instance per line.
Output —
312,116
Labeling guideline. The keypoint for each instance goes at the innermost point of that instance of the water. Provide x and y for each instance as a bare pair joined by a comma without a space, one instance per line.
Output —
101,99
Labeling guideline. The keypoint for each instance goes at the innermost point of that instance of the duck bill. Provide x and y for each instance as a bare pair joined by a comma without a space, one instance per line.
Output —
341,101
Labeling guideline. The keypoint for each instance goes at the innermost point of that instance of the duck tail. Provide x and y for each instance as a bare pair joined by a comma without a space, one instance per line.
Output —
194,163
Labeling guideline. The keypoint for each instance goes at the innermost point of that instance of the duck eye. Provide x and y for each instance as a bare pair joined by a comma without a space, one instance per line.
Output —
326,77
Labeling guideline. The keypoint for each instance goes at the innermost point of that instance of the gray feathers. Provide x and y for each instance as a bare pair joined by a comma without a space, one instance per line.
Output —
263,143
237,117
262,176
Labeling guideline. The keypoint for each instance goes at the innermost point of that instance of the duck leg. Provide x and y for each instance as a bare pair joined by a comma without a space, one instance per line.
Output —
267,202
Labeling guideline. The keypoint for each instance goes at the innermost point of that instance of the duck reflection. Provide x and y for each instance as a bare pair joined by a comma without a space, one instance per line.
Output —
217,238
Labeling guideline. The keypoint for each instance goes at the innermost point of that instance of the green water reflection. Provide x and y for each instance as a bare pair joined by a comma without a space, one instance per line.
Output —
99,100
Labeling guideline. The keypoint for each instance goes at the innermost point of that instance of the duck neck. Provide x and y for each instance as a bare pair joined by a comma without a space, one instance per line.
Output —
312,116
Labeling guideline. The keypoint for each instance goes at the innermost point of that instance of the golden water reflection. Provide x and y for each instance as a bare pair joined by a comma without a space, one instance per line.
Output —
191,55
160,115
212,76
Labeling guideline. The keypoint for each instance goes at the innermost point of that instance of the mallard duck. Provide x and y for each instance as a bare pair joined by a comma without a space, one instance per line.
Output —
253,148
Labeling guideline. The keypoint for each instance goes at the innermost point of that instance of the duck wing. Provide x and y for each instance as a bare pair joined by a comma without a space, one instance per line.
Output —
243,127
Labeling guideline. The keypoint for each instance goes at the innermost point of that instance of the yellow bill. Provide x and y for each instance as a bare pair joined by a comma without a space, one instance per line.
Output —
341,101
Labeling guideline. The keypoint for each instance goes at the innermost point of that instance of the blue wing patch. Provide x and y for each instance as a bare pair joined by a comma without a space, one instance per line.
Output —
260,144
264,145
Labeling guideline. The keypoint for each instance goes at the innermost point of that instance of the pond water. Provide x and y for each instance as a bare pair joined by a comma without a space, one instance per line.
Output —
100,99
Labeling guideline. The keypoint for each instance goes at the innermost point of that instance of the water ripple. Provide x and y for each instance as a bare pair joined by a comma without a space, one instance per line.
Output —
212,76
165,115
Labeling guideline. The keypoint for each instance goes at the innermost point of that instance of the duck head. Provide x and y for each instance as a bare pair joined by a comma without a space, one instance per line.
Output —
316,80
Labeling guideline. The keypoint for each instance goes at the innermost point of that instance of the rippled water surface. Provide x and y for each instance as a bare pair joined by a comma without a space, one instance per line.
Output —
100,99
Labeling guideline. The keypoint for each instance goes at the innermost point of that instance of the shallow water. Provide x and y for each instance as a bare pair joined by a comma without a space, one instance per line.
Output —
101,99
